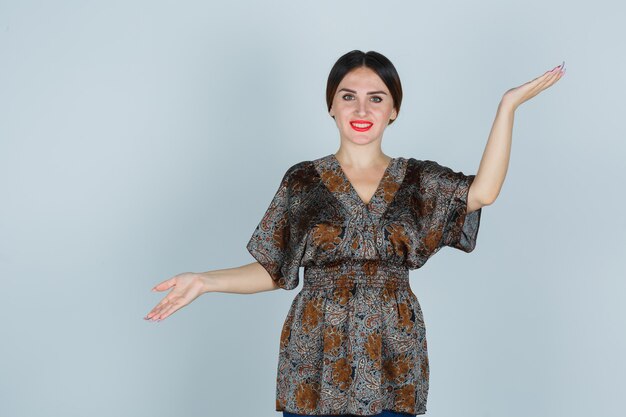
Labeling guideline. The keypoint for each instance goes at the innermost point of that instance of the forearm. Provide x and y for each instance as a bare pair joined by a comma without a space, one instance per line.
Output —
246,279
495,160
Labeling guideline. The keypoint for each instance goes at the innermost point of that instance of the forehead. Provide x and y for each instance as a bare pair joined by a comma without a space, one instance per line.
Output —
362,79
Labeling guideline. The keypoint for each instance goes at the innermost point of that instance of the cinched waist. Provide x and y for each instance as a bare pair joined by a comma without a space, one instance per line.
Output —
369,273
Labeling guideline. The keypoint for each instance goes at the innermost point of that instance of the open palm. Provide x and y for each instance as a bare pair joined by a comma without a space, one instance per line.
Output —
186,287
518,95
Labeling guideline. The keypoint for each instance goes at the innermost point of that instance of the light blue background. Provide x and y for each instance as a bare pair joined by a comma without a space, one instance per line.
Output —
139,140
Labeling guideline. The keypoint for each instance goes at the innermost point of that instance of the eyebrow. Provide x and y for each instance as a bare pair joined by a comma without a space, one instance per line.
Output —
371,92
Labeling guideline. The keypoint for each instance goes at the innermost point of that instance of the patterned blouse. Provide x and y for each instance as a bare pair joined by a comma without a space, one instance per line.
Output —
354,340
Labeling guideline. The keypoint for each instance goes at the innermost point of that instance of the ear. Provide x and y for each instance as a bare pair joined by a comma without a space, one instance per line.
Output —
394,115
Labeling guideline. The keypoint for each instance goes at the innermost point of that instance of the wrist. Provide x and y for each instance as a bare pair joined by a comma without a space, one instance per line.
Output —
507,105
208,281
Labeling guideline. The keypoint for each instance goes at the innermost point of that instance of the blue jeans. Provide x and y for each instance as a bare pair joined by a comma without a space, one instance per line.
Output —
385,413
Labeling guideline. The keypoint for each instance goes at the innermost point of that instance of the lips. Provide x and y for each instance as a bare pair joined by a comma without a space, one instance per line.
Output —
361,125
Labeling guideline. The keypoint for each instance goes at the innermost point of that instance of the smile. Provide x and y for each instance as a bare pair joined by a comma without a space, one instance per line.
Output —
361,125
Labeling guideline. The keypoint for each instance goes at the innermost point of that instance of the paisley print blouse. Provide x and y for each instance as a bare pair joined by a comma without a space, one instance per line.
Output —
354,340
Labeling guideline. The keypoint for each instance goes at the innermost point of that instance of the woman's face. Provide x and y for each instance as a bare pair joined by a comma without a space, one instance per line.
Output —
362,97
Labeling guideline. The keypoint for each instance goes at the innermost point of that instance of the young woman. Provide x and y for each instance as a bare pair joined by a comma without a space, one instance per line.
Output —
354,340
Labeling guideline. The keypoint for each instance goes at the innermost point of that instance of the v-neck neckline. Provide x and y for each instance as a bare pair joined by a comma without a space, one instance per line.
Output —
379,186
336,182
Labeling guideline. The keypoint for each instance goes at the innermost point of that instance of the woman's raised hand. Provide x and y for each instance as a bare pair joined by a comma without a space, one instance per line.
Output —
518,95
186,287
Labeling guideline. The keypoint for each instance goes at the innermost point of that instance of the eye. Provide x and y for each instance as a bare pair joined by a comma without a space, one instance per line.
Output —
377,98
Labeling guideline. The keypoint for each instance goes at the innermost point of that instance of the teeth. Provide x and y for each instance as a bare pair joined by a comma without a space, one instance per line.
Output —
363,125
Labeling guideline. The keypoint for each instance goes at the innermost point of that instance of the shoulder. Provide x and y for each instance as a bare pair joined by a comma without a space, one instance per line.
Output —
298,168
417,168
301,177
428,167
428,174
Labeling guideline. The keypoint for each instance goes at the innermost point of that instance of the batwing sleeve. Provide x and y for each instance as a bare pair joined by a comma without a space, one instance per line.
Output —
271,243
448,191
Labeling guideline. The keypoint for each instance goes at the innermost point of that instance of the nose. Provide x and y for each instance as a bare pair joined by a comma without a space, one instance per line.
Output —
361,109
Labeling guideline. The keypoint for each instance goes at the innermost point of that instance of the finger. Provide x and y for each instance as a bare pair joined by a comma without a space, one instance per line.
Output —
540,79
168,310
549,74
558,71
155,316
542,84
159,307
558,67
552,79
165,285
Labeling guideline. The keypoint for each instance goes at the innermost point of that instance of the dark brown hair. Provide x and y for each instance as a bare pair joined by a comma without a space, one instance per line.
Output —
373,60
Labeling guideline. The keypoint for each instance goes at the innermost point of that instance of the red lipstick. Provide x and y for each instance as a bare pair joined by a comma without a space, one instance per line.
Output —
361,125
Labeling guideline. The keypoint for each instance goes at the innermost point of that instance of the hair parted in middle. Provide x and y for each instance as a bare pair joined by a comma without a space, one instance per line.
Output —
377,62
